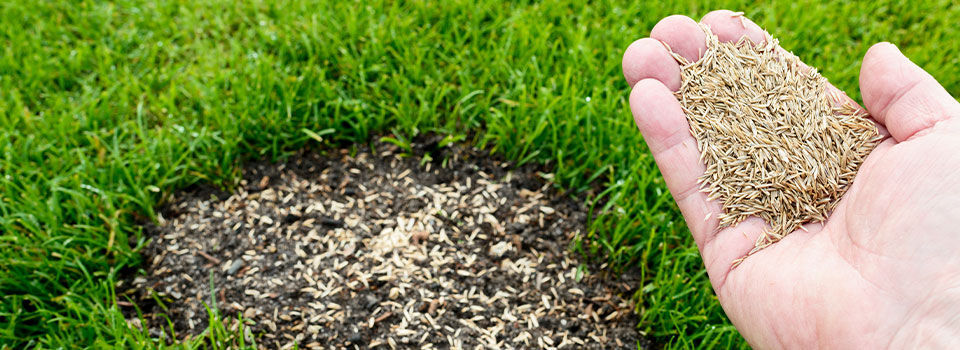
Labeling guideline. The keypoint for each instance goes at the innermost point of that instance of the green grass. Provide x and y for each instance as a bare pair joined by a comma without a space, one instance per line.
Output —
106,108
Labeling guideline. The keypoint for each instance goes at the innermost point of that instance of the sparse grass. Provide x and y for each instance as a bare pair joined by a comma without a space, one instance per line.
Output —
107,108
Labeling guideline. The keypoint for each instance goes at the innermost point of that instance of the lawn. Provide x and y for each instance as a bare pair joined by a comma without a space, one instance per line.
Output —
108,107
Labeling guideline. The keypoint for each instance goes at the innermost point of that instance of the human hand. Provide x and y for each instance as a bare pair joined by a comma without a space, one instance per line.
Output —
883,269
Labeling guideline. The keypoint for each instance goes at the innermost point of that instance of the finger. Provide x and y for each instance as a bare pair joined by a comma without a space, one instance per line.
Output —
664,127
682,35
648,58
730,26
901,95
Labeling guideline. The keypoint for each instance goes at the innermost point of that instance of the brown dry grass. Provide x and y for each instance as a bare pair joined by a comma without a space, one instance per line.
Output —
776,142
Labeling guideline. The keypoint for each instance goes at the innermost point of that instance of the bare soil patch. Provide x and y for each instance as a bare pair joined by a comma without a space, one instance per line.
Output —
364,249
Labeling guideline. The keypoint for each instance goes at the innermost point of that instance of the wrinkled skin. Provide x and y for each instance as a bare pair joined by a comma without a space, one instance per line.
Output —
884,270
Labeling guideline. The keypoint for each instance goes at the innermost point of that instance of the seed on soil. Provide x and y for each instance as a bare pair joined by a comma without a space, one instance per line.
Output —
464,256
777,141
234,266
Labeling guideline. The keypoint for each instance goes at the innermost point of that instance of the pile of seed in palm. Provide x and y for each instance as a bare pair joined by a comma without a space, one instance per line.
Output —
776,141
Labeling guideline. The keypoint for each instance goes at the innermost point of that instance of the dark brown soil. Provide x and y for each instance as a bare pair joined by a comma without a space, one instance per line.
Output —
357,250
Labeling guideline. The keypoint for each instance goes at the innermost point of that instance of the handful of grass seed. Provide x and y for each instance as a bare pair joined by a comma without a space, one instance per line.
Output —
776,142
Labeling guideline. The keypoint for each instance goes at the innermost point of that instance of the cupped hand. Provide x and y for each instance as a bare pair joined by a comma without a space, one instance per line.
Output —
884,269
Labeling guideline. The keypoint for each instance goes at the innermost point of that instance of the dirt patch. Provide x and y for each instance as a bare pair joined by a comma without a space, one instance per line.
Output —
352,250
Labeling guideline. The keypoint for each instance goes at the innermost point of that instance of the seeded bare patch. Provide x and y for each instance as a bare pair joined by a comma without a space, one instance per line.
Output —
362,249
776,142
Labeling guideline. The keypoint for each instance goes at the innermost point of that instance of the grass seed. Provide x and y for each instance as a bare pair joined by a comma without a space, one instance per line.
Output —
776,141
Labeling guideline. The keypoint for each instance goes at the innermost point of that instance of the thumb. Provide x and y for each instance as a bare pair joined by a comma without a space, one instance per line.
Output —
901,95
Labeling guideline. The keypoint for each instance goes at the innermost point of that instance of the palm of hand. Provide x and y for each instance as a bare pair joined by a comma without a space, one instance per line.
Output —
881,271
